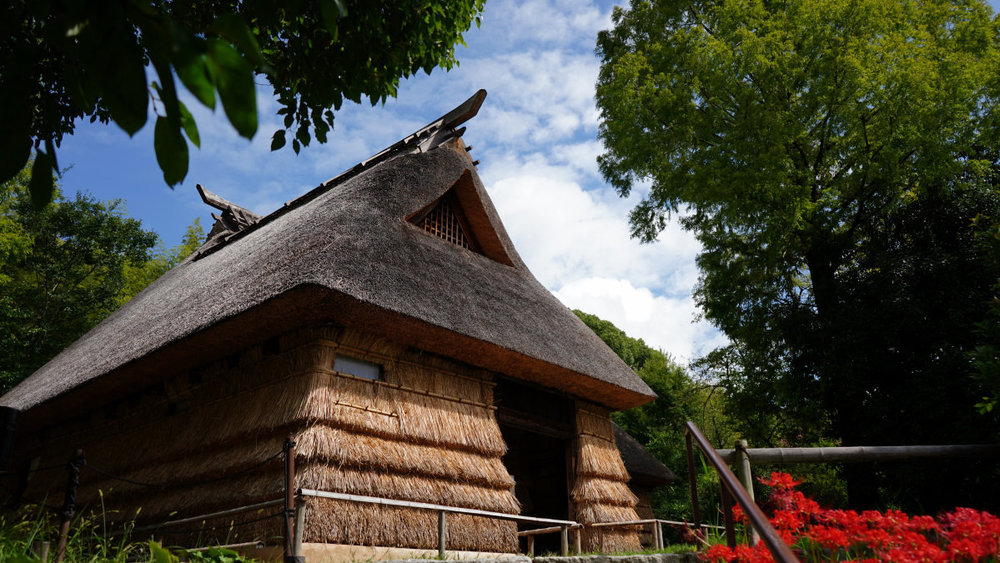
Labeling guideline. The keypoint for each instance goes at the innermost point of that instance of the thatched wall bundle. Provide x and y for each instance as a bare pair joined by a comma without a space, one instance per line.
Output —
425,432
600,492
321,444
379,409
407,487
333,521
221,419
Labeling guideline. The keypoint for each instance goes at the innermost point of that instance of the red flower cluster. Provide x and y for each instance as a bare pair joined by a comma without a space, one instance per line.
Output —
817,534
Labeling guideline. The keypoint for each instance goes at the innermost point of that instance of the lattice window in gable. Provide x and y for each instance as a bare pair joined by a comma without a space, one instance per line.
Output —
443,222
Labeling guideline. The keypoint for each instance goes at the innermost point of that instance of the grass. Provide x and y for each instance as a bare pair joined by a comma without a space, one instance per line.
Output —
91,539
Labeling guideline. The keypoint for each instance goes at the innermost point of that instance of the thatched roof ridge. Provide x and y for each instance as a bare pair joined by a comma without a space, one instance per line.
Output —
349,244
642,466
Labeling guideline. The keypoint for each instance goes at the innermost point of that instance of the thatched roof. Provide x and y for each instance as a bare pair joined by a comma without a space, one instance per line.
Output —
346,254
642,466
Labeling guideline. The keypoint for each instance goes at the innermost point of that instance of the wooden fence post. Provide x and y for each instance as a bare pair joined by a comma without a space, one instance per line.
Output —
727,514
300,523
692,481
746,477
69,505
291,556
442,533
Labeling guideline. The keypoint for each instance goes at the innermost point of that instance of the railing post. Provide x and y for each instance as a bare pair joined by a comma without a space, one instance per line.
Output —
727,514
578,539
442,533
564,537
291,556
746,477
692,481
69,504
657,535
771,538
531,545
300,523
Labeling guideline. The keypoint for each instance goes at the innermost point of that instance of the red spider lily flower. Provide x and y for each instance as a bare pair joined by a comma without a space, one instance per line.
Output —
780,480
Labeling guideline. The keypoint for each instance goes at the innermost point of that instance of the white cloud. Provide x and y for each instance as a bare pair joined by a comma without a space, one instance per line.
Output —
559,22
664,323
577,244
564,232
536,97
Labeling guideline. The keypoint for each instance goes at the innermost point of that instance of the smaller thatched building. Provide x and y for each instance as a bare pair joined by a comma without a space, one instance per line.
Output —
386,323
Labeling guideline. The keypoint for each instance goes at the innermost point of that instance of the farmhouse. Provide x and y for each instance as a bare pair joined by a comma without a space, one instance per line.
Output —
383,321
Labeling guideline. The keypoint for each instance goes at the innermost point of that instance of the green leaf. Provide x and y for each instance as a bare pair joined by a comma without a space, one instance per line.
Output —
15,150
303,136
171,151
331,11
196,77
124,92
278,140
159,554
234,79
189,124
41,186
234,28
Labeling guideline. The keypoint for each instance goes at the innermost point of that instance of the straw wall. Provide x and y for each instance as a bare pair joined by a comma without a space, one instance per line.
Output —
601,492
426,432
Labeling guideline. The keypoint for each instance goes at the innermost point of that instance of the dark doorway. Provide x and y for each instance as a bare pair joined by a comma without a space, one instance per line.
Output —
537,426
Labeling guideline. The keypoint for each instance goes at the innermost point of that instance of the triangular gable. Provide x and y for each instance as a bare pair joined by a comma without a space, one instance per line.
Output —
459,217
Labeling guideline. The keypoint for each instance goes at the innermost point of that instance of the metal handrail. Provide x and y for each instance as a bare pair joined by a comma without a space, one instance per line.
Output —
563,525
731,487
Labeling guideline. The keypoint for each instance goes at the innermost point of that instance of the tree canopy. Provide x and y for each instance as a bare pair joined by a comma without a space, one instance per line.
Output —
61,272
65,267
830,156
62,61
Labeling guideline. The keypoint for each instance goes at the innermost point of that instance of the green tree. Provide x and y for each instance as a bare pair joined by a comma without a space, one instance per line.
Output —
659,425
829,156
63,268
61,61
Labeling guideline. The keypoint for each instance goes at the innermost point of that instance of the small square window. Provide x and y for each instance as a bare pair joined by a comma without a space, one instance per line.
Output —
358,368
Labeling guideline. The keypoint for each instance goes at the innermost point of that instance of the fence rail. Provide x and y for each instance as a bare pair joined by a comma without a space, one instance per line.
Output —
563,526
857,454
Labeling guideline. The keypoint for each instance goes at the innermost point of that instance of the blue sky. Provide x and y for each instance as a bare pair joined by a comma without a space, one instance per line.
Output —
536,138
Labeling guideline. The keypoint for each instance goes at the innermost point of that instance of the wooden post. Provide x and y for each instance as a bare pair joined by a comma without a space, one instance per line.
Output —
746,477
300,523
692,482
727,514
69,504
657,535
579,539
442,533
564,537
291,556
531,545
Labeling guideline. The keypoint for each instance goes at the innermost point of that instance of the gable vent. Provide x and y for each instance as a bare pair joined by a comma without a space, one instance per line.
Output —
443,222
